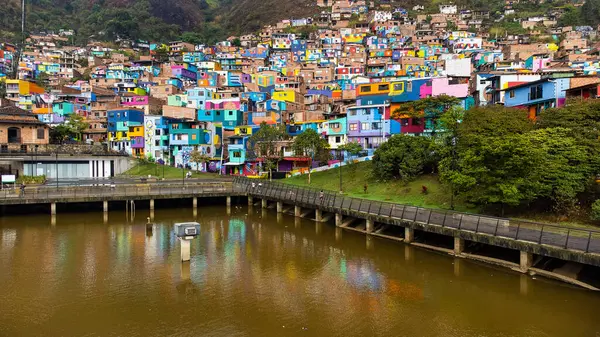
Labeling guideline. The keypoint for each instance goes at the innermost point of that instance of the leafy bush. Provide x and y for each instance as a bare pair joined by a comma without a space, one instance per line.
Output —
31,180
595,215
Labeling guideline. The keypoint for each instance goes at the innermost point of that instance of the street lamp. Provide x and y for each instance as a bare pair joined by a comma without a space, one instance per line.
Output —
340,158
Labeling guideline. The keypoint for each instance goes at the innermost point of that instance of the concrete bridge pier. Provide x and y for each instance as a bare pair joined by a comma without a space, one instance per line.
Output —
526,261
53,220
459,245
228,201
370,242
195,202
338,234
105,218
370,225
318,228
264,203
152,204
297,211
250,200
279,207
318,215
152,214
105,206
53,208
457,262
409,235
185,249
338,219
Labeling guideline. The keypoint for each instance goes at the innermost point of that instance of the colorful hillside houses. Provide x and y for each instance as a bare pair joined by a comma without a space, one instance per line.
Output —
126,131
343,73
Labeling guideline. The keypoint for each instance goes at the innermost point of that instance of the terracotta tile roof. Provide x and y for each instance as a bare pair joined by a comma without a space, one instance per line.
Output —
15,115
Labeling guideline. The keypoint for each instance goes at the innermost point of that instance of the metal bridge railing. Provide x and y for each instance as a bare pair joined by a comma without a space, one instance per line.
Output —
544,234
96,192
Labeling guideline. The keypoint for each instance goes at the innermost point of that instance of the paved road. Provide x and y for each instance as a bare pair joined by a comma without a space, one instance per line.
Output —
571,238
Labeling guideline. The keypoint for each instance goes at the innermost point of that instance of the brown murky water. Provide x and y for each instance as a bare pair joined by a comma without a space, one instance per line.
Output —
260,275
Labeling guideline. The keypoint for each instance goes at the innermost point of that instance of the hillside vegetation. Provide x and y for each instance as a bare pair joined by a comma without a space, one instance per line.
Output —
156,20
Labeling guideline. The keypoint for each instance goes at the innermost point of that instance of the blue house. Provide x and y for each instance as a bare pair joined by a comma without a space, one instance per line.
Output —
537,95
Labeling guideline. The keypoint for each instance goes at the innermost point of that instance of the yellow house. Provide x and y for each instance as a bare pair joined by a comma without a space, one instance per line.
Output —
286,96
22,88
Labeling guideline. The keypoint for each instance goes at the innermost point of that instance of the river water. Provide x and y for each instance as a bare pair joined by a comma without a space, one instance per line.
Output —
259,274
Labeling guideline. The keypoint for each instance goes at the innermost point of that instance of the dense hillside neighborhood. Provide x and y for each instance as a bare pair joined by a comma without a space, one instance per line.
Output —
348,73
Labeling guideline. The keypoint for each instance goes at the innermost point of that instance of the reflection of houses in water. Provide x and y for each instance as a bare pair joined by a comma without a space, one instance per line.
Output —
362,273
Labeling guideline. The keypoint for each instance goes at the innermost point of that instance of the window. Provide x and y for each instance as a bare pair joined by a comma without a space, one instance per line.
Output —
334,125
511,93
366,88
482,81
536,92
157,132
237,154
366,112
399,86
157,142
338,139
416,121
218,113
365,126
383,87
409,86
193,136
353,127
41,133
175,126
230,113
376,126
353,112
404,122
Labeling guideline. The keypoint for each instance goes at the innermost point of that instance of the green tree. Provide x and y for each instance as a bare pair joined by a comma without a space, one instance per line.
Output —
595,215
60,133
265,141
564,171
582,119
494,159
77,125
353,149
2,89
571,17
199,158
402,157
432,108
236,42
161,53
191,37
310,144
590,12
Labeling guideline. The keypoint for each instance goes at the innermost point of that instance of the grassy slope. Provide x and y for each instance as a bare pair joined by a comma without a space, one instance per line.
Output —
438,196
354,178
143,170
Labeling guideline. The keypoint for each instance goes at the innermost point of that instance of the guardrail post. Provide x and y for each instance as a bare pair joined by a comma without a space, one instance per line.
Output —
542,234
496,230
477,227
518,229
567,240
587,248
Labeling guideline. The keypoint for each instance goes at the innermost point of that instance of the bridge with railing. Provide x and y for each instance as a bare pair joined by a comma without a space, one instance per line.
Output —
532,240
566,243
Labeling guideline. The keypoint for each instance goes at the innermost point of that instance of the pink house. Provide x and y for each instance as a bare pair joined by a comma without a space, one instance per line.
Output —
445,86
